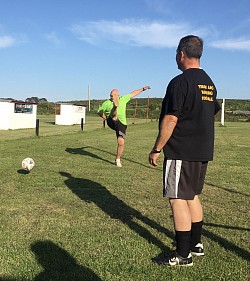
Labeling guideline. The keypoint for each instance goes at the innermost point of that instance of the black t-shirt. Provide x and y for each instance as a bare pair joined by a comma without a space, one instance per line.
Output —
191,97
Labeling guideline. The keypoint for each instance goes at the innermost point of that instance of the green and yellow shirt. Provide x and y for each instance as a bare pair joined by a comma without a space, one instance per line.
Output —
107,106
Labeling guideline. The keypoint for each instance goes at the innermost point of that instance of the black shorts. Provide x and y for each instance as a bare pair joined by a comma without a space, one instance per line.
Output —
183,179
117,126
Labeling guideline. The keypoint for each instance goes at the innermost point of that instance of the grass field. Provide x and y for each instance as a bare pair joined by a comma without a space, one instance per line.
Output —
76,216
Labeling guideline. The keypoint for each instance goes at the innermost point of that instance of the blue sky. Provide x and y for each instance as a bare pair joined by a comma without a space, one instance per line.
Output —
54,49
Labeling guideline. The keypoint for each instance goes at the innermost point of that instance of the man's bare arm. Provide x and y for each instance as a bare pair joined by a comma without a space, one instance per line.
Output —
137,92
102,115
167,126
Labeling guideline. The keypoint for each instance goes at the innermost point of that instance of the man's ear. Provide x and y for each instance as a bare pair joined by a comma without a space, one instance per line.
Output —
183,55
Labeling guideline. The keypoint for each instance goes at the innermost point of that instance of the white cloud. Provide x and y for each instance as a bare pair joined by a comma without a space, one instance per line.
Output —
232,44
53,39
150,34
135,33
6,41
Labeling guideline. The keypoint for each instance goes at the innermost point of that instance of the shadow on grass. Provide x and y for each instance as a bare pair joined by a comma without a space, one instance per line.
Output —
227,189
222,241
22,172
115,208
90,191
227,245
58,264
227,226
84,151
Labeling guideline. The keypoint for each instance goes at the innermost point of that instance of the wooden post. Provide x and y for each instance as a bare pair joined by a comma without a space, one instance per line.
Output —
82,124
136,104
89,95
147,110
37,127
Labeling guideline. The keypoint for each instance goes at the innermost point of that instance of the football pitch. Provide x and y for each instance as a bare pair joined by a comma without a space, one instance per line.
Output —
76,216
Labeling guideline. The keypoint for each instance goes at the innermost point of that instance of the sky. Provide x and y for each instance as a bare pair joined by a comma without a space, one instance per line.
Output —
65,50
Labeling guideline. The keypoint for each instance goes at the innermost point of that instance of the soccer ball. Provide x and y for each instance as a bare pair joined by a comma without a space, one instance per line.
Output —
28,164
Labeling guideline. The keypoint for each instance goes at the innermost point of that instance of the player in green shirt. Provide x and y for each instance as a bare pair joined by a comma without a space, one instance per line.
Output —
113,111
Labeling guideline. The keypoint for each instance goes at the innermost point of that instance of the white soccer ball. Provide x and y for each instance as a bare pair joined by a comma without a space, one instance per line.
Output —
28,164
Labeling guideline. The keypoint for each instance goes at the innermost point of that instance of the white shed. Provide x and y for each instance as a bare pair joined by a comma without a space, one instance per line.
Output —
17,115
70,114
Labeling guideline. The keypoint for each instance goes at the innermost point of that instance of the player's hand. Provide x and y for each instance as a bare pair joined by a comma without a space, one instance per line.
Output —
146,88
152,158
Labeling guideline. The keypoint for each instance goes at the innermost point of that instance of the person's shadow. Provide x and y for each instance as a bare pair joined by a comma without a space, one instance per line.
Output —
115,208
85,152
90,191
58,264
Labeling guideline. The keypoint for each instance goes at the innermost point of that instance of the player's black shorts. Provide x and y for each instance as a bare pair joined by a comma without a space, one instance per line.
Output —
183,179
117,126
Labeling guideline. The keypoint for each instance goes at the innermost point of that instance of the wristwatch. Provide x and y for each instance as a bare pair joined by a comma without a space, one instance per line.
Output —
155,151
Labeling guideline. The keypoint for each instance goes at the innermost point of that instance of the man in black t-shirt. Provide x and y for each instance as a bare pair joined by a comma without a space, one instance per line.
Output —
186,135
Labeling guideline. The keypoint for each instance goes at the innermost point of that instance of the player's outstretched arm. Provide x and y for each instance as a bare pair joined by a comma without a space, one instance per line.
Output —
137,92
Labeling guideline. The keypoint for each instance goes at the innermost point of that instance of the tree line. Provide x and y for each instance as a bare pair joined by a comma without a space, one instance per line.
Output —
235,109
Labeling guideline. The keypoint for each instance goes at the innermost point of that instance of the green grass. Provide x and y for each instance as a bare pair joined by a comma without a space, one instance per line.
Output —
76,216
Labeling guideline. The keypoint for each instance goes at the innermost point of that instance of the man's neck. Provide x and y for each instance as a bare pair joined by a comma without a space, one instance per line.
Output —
191,63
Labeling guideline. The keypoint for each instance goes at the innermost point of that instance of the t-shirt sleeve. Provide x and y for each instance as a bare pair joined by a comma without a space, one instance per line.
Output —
126,98
103,108
175,98
217,107
100,109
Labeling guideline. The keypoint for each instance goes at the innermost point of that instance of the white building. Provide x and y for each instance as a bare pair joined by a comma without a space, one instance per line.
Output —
70,114
17,115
